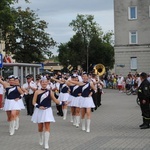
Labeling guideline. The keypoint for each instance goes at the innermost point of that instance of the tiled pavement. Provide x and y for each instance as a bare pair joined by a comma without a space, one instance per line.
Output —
114,126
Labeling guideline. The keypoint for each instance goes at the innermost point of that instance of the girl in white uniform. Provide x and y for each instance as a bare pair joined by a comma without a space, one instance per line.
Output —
43,114
11,106
63,96
20,101
86,101
74,100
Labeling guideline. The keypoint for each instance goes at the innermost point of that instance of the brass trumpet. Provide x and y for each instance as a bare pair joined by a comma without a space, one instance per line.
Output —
99,69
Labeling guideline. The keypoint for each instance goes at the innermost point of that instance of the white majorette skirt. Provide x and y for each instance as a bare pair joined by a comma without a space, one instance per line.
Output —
75,102
86,102
21,104
63,97
41,116
70,99
11,105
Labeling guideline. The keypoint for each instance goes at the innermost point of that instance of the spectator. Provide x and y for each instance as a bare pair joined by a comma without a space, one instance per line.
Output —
1,94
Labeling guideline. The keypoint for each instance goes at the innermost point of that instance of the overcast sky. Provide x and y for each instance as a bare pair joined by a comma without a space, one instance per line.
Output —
59,13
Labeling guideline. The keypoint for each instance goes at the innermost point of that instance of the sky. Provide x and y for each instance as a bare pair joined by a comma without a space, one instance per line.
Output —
59,13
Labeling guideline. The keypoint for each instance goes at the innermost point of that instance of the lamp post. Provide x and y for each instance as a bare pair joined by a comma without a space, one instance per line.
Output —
68,64
87,59
68,61
87,56
0,35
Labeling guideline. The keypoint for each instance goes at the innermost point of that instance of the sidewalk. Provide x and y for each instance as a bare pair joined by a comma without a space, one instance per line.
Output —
114,126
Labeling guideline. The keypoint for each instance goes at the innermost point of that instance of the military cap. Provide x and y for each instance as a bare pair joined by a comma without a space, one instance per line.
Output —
143,75
11,76
29,76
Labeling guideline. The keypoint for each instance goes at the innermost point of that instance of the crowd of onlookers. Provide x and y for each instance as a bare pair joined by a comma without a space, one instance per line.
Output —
122,83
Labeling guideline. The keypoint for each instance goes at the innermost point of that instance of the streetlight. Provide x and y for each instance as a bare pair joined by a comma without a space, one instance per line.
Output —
0,35
68,63
87,56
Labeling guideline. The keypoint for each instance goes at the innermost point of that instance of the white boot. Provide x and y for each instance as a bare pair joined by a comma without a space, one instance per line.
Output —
47,134
74,120
12,127
83,124
17,123
77,121
41,138
71,118
9,126
65,114
88,125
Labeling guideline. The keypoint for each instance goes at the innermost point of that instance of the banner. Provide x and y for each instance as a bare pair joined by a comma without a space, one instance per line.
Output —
1,60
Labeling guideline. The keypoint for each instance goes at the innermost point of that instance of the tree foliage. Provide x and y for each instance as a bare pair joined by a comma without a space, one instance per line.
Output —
24,33
101,51
7,18
88,41
86,26
29,42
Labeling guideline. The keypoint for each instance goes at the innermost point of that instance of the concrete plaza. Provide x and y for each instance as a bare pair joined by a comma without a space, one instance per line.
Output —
114,126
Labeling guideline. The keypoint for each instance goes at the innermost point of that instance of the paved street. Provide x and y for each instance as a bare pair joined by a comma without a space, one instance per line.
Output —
114,126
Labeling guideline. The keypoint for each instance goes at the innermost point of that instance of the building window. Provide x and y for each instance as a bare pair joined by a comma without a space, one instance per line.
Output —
132,11
133,63
133,37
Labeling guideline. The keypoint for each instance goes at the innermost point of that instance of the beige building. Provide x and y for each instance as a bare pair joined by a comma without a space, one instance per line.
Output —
2,47
132,36
52,66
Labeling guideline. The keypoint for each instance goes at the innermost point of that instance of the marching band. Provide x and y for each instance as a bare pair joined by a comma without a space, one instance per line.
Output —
73,91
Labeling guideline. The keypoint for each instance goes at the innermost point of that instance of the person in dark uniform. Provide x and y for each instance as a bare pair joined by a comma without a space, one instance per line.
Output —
100,86
94,93
144,97
56,90
31,87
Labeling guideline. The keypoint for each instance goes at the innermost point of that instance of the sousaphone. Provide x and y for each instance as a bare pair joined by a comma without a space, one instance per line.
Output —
99,69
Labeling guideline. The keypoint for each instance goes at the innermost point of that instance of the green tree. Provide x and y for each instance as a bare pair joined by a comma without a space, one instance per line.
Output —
64,53
101,51
6,17
28,41
69,53
86,26
77,50
89,45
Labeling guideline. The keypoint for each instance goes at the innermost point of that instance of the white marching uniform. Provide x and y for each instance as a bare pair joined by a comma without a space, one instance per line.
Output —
10,103
21,104
74,97
46,115
85,99
64,95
